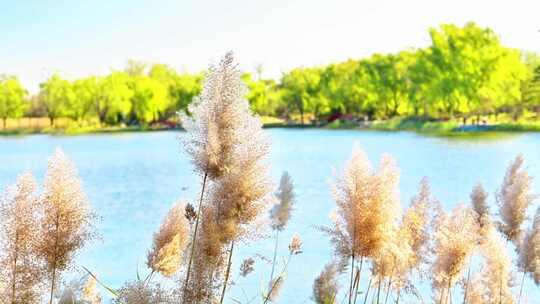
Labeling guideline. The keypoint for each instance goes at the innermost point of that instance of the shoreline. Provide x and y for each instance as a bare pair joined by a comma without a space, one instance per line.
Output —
440,129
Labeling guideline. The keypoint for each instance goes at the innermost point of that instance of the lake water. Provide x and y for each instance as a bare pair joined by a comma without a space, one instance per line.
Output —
133,178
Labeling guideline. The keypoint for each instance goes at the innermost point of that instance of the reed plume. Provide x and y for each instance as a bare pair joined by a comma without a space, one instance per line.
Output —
367,208
240,195
274,289
479,203
217,119
529,253
326,285
169,242
20,271
275,285
455,239
408,247
138,292
415,224
281,212
497,272
81,291
67,221
90,294
226,144
247,267
514,198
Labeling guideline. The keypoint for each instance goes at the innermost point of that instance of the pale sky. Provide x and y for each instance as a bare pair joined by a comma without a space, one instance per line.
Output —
79,38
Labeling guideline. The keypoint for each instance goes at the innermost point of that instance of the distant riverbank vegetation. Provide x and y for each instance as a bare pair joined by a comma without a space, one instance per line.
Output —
464,77
382,253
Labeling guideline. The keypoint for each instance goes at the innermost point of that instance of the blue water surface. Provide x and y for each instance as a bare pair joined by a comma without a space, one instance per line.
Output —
132,179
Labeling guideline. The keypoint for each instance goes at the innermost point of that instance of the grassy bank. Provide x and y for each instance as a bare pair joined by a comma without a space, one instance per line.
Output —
449,128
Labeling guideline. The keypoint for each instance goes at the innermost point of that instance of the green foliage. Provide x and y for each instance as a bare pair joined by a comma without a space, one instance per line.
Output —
149,99
465,73
57,96
12,98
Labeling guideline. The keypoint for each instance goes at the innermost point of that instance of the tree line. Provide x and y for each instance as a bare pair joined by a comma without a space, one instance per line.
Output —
465,72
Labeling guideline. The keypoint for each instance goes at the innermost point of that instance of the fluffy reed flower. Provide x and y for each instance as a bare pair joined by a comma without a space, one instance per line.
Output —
67,221
274,289
20,272
476,290
295,246
208,261
81,291
514,198
140,293
169,242
90,294
218,119
455,239
497,272
247,267
281,212
326,285
479,201
227,144
414,228
529,251
367,206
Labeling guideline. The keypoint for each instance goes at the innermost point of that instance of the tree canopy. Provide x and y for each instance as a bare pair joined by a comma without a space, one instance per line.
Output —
464,72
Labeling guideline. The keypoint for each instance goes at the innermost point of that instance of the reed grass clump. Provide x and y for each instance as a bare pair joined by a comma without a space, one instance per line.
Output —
20,271
367,209
455,239
228,148
67,220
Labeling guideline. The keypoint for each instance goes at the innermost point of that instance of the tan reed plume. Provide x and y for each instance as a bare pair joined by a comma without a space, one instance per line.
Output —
514,198
326,285
20,270
169,242
455,239
67,221
529,253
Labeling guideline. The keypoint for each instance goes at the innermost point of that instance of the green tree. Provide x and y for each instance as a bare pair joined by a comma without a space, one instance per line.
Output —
149,99
56,94
300,89
12,98
114,102
87,94
182,88
261,94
